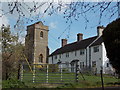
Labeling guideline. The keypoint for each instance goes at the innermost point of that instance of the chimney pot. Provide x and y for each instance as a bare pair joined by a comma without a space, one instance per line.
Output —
64,42
100,30
79,36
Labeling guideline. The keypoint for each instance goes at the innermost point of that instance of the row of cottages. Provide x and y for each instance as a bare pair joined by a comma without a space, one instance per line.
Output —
90,53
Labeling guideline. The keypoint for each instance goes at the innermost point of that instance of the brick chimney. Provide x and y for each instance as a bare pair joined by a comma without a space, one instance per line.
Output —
79,36
64,42
100,30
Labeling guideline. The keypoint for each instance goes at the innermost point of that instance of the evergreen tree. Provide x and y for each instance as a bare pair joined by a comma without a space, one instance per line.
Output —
111,38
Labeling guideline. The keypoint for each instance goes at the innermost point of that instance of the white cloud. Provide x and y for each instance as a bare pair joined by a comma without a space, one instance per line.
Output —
53,25
3,20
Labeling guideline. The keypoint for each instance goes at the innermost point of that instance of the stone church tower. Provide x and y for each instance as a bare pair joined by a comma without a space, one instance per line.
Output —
36,43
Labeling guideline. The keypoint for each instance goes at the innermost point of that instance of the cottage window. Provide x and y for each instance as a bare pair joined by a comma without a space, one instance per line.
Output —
96,49
82,51
56,57
60,56
67,64
107,64
41,34
81,64
40,58
52,59
75,53
67,54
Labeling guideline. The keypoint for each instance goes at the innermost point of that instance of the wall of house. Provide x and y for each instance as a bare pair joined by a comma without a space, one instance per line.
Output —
99,57
74,55
96,57
107,69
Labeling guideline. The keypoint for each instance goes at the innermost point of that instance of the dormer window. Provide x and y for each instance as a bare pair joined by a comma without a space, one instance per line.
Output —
41,34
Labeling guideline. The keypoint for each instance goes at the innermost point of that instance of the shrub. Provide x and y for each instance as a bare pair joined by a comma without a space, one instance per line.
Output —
13,83
65,70
53,68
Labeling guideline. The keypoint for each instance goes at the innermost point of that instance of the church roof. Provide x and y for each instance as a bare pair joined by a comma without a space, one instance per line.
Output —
78,45
39,22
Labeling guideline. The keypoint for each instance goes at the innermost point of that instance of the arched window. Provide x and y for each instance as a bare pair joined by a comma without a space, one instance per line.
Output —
41,58
41,34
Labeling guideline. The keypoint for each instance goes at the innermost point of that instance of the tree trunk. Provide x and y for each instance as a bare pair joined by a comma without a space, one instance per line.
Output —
6,75
18,76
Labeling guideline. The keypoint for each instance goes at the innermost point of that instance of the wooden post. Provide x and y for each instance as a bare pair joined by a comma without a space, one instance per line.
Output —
18,73
21,72
47,74
61,71
33,73
76,72
101,73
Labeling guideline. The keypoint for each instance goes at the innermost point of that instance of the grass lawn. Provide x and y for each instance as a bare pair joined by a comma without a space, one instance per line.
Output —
68,81
51,78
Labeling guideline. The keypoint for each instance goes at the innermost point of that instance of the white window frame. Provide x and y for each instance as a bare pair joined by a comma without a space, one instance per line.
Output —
82,51
96,49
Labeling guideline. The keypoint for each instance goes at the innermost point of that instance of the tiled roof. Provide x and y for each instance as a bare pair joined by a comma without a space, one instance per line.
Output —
77,45
98,42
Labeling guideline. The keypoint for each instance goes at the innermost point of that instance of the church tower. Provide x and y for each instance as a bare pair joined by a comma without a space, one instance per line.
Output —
36,43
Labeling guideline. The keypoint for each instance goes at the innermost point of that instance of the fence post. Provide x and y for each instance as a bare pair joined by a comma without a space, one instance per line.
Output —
21,72
61,71
102,82
47,74
33,73
76,72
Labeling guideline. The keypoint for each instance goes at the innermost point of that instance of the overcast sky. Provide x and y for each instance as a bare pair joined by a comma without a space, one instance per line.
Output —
57,25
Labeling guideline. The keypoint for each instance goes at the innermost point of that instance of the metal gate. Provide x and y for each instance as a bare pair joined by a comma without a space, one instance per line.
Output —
50,73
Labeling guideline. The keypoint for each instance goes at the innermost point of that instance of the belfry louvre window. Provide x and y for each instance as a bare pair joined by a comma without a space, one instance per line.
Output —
41,34
41,58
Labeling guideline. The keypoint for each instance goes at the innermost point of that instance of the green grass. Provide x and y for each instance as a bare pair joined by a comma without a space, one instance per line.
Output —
95,81
68,80
52,77
90,81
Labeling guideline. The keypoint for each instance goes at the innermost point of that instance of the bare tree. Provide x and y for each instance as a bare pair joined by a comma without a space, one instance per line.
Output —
71,10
